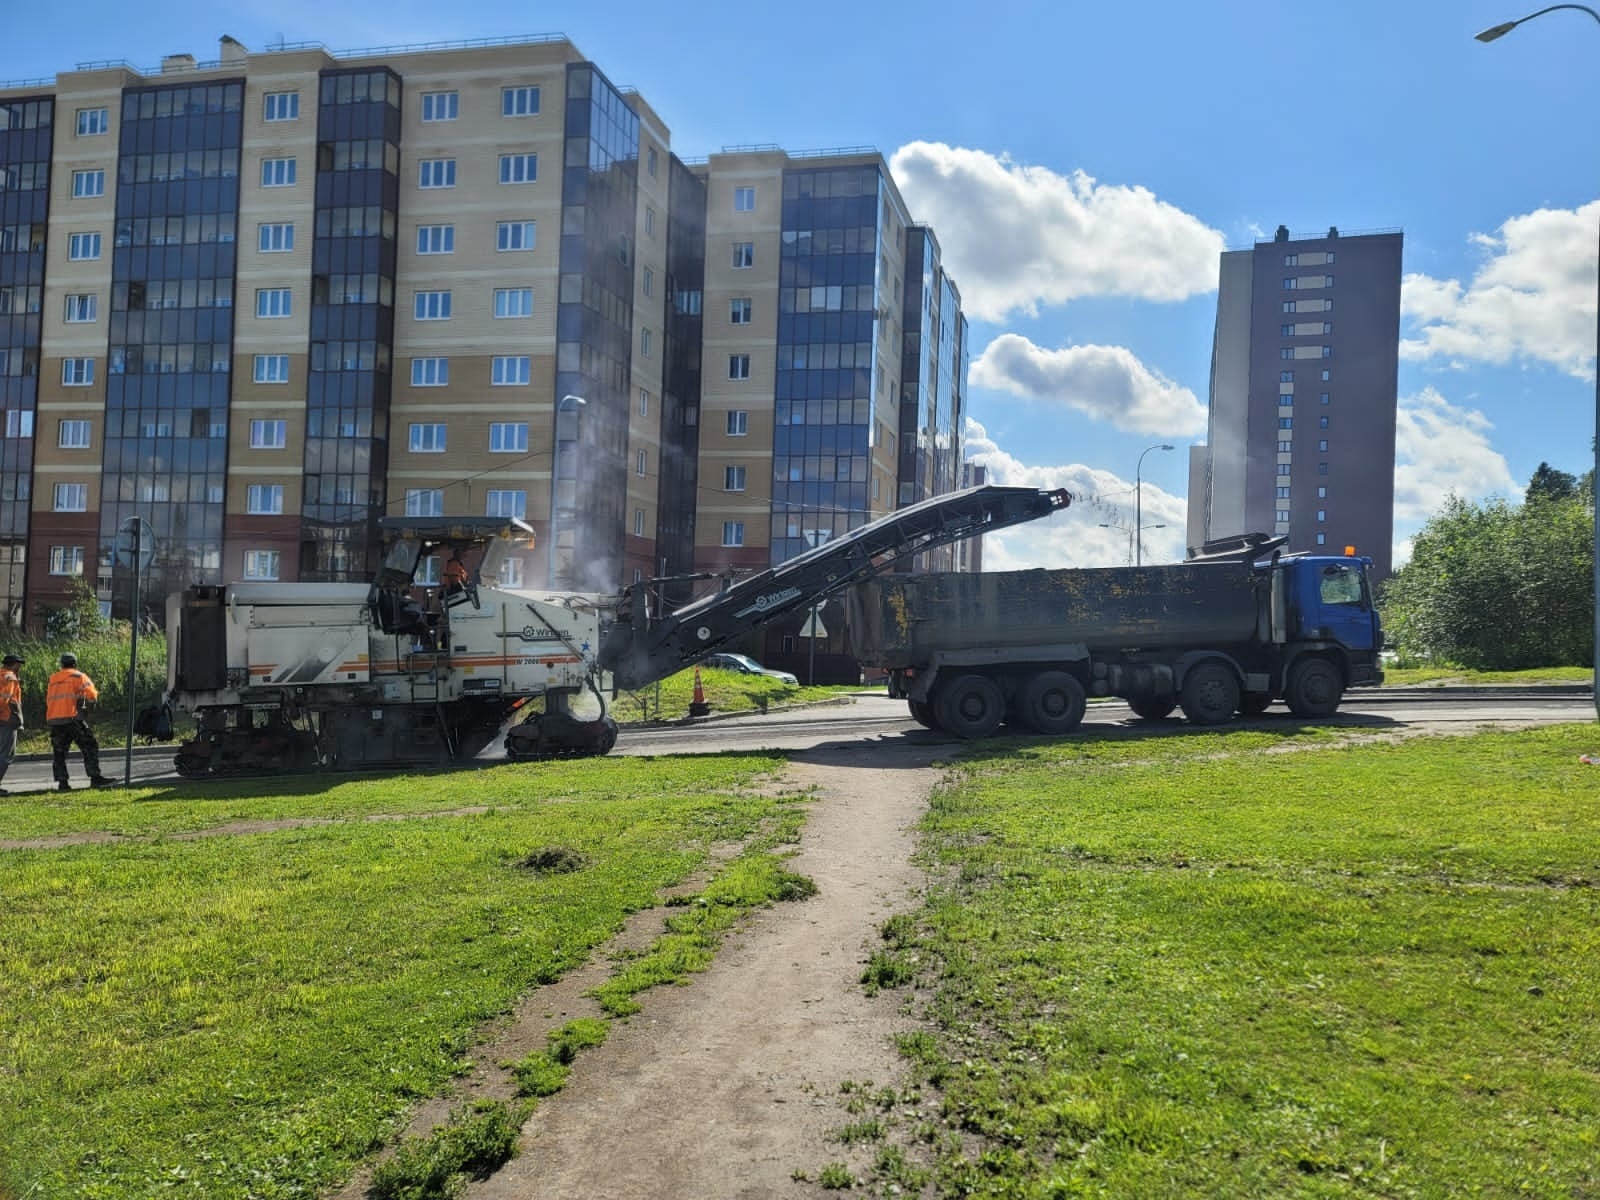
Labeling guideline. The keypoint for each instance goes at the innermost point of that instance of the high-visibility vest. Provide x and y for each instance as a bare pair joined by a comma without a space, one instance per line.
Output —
68,691
10,696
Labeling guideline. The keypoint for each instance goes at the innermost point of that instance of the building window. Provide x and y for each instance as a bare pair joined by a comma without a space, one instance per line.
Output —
92,121
427,571
436,173
1283,493
432,306
744,255
644,403
86,184
424,502
440,106
511,572
738,423
1327,352
644,343
281,106
648,282
1327,281
638,522
1322,468
738,366
1322,422
436,239
519,168
1322,539
513,302
733,533
83,246
510,370
1286,400
81,308
641,464
264,499
77,372
649,221
507,502
1291,260
1326,376
1289,283
739,311
430,372
427,438
1285,447
1322,493
744,199
733,479
1285,330
72,497
1323,398
514,235
272,368
275,239
1322,445
269,435
261,564
70,435
1283,469
1281,514
277,172
273,302
650,161
19,424
1322,514
1285,422
1285,376
519,102
508,437
1327,327
1286,352
66,560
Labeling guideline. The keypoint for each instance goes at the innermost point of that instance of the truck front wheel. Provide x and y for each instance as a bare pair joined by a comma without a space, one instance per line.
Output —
922,713
1052,702
970,706
1210,693
1315,688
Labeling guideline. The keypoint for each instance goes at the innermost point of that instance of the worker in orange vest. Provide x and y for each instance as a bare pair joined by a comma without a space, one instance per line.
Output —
10,712
66,696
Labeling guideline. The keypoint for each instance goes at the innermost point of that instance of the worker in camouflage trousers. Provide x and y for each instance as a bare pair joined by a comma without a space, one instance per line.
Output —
68,695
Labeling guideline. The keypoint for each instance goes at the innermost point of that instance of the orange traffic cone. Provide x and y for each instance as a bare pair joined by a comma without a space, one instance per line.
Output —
698,706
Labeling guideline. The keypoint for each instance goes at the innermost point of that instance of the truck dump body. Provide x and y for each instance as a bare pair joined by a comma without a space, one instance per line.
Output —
899,621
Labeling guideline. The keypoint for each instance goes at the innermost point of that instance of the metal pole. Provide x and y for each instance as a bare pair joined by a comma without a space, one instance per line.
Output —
133,654
811,671
1138,504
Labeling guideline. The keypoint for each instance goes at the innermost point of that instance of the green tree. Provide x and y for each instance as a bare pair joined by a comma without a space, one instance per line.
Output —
1497,586
1550,484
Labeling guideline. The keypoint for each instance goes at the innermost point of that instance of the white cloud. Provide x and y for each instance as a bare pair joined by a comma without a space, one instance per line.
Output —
1440,450
1078,537
1016,236
1533,297
1107,383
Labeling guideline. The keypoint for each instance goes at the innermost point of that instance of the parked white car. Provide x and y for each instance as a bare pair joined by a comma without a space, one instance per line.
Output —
746,666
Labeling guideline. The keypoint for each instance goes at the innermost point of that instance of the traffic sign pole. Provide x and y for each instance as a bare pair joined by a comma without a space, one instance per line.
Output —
132,537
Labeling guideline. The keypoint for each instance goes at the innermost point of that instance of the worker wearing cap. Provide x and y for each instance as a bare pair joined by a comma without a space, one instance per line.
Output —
10,712
66,697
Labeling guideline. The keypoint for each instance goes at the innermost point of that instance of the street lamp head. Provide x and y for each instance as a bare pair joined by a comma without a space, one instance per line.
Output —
1166,447
1495,32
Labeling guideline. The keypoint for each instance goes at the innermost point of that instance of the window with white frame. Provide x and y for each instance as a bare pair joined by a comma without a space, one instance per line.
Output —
432,306
510,370
264,499
744,255
424,502
638,522
277,172
275,238
519,168
19,423
86,184
93,121
511,572
81,308
649,221
427,438
744,199
77,372
436,173
650,161
508,437
507,502
514,235
738,366
82,246
427,571
436,239
648,281
513,302
70,435
519,102
430,372
273,302
66,560
733,533
271,368
733,479
641,463
72,497
280,106
441,106
645,338
739,311
644,403
269,434
738,423
261,564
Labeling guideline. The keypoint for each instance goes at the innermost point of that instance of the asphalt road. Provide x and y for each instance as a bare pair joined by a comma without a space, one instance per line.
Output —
854,728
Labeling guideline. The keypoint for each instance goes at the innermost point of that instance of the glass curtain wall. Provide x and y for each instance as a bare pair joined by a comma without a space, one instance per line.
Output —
170,356
680,415
352,323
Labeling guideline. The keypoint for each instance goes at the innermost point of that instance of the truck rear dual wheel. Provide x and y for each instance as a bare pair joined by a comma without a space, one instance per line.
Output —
1052,702
1315,688
1210,693
970,706
922,713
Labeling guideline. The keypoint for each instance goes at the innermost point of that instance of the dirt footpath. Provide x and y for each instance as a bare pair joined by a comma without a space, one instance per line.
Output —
727,1087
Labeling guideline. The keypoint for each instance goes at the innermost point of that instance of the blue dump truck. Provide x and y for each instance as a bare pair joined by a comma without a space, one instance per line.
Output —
1215,636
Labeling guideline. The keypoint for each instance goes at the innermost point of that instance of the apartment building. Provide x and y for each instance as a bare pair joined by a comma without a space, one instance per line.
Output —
1300,436
264,301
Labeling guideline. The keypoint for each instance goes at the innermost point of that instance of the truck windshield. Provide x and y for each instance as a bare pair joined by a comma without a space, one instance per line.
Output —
1341,585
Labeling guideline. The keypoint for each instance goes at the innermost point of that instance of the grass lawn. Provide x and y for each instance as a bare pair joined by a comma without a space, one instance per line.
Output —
1194,967
726,692
1413,676
250,1015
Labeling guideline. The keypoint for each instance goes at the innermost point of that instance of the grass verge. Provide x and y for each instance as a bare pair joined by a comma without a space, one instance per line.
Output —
726,692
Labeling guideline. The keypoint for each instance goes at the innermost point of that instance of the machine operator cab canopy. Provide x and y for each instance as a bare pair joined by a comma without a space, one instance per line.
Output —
408,539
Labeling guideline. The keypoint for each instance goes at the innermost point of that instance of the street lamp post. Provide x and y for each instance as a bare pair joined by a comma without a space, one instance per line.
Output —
1122,529
1493,33
1138,502
1143,528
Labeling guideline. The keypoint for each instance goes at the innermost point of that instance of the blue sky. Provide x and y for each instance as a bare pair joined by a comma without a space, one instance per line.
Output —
1083,165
